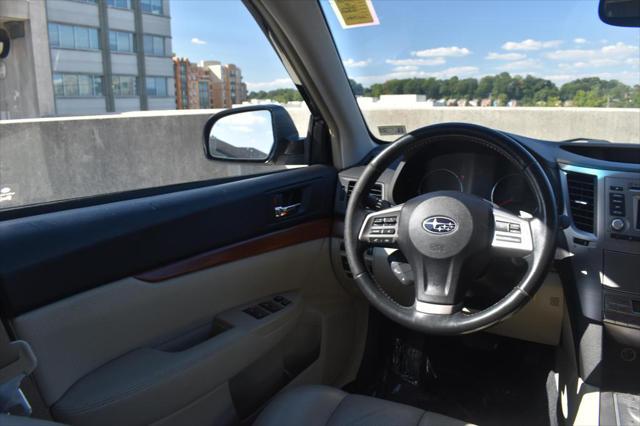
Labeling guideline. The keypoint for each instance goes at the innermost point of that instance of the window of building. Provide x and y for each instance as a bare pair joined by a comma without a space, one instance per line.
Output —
66,38
119,4
121,41
203,94
152,6
124,85
154,45
156,86
73,36
82,37
77,85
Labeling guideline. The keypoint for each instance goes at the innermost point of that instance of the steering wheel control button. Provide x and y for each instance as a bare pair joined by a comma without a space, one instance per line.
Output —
379,224
382,241
508,238
502,226
617,224
512,236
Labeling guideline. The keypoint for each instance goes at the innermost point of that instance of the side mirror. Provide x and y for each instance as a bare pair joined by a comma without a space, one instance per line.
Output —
5,43
621,13
255,133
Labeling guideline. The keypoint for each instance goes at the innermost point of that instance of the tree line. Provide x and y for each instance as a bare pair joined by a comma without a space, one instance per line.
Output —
279,95
501,88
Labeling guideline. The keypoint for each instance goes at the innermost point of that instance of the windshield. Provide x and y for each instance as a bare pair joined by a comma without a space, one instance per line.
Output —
531,67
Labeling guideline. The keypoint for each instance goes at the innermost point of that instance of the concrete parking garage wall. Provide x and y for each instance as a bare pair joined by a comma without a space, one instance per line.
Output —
51,159
555,124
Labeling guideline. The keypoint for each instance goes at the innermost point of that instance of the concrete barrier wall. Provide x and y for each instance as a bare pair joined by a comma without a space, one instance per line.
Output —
555,124
61,158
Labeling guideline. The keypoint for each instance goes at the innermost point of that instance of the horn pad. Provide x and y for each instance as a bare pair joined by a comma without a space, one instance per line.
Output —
445,224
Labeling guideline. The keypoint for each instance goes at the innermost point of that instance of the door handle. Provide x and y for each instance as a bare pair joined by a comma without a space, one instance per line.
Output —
284,211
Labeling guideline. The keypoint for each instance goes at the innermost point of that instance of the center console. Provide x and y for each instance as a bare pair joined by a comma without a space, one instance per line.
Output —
621,273
604,242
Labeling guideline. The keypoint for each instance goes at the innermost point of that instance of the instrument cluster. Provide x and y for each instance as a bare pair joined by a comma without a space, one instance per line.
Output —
485,174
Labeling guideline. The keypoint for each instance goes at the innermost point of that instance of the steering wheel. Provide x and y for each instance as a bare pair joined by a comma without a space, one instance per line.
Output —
444,235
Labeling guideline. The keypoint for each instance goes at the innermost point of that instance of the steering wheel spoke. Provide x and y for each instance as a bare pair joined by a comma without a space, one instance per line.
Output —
511,235
381,228
438,285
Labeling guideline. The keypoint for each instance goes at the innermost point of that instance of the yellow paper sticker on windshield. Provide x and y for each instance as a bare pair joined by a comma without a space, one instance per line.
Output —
355,13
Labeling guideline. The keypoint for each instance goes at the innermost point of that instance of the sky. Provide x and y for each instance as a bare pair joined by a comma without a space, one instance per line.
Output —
560,40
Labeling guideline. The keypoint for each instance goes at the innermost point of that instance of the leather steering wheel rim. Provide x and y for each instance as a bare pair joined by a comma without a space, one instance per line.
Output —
543,231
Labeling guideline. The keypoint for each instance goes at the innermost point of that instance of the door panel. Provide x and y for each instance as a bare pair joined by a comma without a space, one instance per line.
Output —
135,309
74,336
117,392
83,248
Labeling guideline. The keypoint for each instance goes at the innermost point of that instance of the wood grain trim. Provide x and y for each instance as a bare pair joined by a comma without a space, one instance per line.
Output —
295,235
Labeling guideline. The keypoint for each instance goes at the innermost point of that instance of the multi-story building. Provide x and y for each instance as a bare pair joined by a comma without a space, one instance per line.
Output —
209,84
218,94
236,88
91,56
182,73
26,88
234,91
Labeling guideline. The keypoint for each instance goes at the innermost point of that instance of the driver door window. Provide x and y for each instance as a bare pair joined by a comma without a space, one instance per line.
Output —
92,65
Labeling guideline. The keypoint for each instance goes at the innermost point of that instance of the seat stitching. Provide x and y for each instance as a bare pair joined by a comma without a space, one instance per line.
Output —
336,408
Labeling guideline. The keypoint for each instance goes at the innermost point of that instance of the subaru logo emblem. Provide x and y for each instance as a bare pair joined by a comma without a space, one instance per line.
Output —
439,225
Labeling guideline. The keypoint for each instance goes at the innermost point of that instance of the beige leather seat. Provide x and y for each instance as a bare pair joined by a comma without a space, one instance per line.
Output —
323,405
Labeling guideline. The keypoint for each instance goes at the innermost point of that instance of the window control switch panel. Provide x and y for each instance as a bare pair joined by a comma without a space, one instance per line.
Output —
266,307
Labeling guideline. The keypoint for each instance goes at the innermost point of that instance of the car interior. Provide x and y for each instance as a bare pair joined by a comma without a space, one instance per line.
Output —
459,275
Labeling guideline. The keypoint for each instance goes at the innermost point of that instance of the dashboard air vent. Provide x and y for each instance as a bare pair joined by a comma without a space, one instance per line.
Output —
376,190
582,196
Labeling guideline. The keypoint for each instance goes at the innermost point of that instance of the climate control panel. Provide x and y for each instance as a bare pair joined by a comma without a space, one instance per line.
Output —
623,208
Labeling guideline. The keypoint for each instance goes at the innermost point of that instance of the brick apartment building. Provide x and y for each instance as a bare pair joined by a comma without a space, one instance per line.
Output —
207,84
